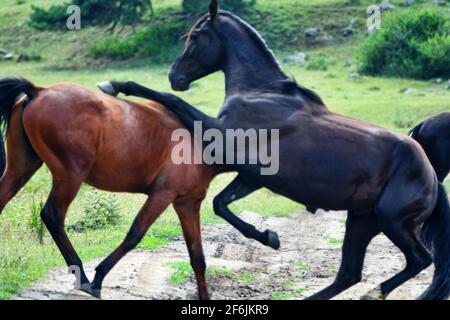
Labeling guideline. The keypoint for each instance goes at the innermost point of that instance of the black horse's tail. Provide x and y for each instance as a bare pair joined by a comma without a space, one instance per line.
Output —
10,90
414,133
436,236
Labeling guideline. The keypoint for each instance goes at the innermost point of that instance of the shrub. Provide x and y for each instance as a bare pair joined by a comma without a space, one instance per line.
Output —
201,6
35,222
53,18
159,42
410,43
93,12
436,52
101,212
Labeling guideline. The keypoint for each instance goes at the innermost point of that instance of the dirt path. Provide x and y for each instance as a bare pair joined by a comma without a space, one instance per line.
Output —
307,261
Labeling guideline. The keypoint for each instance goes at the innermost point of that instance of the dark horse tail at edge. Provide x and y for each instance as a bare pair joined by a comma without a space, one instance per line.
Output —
434,136
436,236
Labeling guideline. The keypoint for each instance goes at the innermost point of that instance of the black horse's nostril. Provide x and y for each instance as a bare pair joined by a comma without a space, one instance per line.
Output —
179,82
179,79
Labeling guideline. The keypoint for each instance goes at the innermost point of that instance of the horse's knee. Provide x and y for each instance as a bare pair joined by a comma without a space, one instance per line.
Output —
218,206
50,216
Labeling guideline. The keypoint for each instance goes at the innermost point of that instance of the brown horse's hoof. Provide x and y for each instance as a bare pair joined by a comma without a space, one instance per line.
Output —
107,88
375,294
273,240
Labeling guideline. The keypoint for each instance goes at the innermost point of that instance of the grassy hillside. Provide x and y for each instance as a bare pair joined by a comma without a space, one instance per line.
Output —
281,22
378,100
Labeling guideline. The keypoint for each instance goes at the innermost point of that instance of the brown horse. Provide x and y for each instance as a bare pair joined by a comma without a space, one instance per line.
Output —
111,144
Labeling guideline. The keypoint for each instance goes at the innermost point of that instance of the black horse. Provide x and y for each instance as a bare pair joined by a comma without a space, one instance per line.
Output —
434,136
328,161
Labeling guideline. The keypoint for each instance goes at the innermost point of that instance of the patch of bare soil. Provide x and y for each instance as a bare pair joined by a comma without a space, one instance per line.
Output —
307,261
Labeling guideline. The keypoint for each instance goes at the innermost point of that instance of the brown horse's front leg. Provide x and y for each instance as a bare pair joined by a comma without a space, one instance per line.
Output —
189,214
152,209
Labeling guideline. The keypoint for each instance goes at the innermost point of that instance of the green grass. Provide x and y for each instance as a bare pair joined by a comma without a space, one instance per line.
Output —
287,295
335,241
181,272
303,266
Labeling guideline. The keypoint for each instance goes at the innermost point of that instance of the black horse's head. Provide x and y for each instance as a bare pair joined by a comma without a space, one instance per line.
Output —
203,54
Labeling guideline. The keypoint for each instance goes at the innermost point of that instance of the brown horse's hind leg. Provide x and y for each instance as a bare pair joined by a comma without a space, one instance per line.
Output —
62,194
189,214
14,179
360,230
152,209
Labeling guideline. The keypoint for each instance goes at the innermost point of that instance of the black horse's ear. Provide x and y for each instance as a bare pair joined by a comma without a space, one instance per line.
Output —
213,9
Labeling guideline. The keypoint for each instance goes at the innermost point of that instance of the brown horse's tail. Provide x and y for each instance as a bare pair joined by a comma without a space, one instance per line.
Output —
436,235
11,89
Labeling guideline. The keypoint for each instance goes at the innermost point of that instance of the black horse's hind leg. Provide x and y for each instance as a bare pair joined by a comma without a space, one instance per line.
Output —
404,206
54,213
238,189
360,230
417,259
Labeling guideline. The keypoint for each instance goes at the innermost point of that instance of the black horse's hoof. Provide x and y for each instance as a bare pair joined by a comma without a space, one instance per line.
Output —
97,293
87,288
273,240
107,87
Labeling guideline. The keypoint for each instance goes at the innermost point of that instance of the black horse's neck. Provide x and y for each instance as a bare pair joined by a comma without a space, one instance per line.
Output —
249,63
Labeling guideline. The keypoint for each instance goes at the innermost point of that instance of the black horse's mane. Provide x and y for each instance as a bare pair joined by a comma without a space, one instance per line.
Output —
289,85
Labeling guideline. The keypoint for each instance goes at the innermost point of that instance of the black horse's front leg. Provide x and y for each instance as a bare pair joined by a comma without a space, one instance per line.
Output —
238,189
186,112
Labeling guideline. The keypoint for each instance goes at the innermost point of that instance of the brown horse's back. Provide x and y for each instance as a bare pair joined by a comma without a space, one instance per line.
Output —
116,145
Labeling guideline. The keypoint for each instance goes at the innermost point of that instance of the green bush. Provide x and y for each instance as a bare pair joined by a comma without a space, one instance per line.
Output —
411,43
93,12
159,42
201,6
53,18
436,52
101,212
